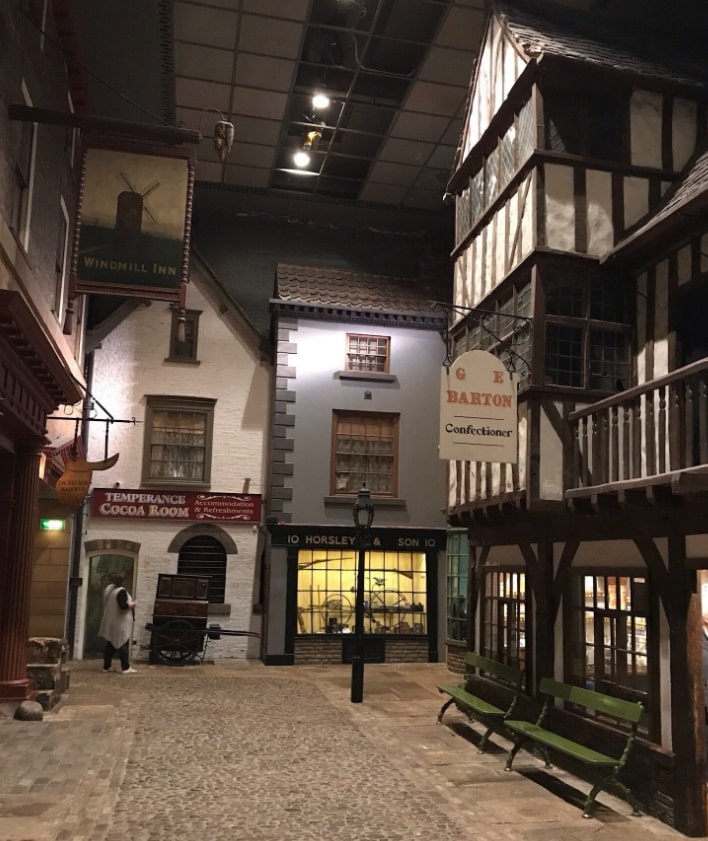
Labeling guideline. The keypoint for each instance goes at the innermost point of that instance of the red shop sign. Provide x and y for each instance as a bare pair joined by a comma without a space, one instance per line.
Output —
136,504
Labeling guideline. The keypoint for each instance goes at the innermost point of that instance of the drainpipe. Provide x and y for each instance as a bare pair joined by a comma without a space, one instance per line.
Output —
75,580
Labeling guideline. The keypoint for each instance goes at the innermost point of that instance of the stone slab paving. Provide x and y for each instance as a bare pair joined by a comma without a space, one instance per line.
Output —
240,751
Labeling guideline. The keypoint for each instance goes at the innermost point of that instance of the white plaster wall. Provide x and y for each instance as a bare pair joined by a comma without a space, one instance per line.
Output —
505,556
641,329
645,132
551,462
683,136
599,553
131,364
636,199
560,207
661,320
697,546
529,210
600,231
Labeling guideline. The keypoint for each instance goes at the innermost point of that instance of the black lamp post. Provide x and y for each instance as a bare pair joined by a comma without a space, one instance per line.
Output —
363,518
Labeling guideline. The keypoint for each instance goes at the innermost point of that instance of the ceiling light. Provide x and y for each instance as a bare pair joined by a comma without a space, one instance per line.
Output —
320,101
301,159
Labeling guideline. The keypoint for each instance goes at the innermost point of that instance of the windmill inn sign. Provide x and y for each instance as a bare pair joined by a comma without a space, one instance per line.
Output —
129,504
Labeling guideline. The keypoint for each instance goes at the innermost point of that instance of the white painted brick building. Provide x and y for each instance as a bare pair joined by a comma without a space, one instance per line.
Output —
133,365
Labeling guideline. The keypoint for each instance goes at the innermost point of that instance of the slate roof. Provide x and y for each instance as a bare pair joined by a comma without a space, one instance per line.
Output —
596,39
320,286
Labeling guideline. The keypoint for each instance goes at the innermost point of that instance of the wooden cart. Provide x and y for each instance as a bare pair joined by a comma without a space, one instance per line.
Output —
179,629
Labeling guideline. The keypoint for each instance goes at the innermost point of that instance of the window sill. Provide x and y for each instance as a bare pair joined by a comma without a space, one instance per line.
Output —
377,501
182,361
366,376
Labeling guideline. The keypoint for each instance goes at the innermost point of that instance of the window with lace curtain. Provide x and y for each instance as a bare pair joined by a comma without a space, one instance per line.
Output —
178,440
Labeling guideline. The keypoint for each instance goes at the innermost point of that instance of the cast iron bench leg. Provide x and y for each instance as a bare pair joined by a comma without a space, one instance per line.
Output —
444,707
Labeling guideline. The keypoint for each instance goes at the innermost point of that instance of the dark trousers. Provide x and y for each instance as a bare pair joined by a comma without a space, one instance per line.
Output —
122,652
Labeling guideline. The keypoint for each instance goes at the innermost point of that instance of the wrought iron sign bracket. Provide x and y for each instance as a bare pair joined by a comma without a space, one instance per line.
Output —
448,308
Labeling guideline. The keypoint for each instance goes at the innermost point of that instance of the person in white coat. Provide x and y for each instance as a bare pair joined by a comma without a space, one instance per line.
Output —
117,625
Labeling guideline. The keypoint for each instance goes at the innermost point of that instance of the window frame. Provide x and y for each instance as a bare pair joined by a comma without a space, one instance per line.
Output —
340,416
587,325
23,176
457,610
205,406
504,642
641,604
191,324
369,337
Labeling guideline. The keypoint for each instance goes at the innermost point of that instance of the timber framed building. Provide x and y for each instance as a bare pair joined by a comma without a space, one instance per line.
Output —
581,186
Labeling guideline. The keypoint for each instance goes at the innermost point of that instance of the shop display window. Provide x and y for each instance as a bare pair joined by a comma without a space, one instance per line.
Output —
608,635
504,616
395,592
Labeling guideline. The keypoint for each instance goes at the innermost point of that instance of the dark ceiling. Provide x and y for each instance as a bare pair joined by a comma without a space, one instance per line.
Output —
397,73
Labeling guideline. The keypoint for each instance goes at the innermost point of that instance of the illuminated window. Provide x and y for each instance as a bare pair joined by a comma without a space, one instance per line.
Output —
608,635
504,617
367,353
365,453
395,595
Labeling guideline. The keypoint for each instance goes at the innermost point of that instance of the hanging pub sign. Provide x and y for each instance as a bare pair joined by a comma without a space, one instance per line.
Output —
478,420
74,483
133,225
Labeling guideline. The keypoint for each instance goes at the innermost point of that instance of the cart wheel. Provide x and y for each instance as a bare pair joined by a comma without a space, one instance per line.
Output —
176,642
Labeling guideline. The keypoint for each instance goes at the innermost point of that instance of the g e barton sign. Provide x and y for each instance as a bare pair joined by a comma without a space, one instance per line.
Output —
478,420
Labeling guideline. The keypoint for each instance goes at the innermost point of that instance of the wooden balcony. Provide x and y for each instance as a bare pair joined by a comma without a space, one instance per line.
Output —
651,437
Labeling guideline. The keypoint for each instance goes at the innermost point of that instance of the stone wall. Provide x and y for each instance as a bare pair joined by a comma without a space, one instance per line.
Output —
48,669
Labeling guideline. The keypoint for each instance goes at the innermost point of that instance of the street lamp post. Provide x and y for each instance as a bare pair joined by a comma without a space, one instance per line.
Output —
363,518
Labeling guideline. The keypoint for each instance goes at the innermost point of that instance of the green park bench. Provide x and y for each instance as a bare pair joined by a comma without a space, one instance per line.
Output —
599,765
476,708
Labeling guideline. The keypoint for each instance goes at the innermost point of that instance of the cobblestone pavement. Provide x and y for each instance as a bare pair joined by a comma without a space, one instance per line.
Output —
239,751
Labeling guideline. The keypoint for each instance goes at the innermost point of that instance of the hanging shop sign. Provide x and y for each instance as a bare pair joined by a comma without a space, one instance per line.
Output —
74,483
478,419
133,223
136,504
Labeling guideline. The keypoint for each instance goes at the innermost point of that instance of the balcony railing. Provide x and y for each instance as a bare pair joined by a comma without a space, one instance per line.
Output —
642,433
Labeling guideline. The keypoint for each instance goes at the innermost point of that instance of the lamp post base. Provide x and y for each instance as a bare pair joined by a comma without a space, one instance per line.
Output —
357,695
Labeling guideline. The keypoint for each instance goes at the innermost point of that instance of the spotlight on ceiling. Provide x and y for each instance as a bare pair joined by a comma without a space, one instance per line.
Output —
301,159
320,101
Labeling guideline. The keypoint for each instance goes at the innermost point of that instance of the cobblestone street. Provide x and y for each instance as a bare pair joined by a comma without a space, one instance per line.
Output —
245,752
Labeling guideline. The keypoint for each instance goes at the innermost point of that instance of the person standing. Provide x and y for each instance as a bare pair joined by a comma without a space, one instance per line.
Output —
117,625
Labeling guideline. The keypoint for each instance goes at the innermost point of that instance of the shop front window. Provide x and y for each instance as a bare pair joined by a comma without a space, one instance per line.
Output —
504,617
608,635
395,593
457,573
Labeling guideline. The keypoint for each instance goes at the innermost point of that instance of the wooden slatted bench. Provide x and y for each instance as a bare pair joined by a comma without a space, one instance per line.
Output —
475,707
599,764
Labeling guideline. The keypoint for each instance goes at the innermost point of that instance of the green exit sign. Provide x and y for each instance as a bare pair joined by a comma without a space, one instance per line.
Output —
52,525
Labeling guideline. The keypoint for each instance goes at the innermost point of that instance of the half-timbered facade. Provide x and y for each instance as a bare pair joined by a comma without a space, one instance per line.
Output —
581,244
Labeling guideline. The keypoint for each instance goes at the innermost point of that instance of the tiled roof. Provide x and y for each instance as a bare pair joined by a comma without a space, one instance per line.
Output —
595,39
331,287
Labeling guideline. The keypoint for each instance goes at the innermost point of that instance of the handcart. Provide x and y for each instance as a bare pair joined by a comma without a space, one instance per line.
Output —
179,630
